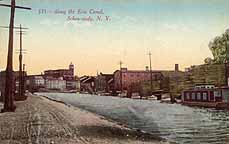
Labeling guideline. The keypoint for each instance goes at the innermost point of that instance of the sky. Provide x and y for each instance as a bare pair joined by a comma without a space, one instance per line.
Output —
175,31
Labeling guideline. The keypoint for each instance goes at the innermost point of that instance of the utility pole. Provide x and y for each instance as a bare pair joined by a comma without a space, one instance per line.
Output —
23,80
120,64
227,60
9,91
151,75
20,57
20,65
21,91
227,65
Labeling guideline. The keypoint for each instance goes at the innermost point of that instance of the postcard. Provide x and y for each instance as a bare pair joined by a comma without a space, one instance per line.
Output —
114,71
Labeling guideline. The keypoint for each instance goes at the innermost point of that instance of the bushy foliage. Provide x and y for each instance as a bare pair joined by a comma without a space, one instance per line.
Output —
219,47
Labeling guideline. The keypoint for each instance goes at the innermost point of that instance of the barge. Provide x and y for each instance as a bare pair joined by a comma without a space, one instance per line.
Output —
206,96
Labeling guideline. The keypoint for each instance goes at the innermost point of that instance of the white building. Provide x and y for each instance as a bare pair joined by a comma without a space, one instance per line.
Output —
39,80
73,85
55,84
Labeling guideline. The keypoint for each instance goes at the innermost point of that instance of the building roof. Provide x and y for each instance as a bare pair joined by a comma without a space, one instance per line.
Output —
87,79
139,71
111,80
57,70
102,74
34,75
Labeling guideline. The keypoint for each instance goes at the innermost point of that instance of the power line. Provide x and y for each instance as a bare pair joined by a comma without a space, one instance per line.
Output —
20,51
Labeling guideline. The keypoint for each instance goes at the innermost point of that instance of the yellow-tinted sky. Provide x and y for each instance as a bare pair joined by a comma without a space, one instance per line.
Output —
176,31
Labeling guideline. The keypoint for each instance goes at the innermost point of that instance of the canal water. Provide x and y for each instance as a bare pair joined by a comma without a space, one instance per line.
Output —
175,122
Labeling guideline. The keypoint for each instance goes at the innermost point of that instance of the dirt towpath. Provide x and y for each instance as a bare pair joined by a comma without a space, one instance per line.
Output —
41,121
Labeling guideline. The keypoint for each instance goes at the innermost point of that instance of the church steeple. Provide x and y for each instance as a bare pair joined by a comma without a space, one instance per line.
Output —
71,68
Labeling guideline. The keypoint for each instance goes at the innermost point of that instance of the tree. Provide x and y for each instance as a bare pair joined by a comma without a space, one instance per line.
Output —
220,48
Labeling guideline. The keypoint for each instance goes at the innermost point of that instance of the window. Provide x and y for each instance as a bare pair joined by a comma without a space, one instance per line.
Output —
205,96
193,96
225,95
198,96
217,94
187,96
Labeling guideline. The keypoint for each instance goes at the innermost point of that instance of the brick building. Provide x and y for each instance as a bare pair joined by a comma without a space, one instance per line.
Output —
129,77
53,76
66,74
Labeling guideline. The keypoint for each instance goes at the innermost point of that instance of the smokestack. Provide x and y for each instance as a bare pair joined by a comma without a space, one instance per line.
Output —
176,67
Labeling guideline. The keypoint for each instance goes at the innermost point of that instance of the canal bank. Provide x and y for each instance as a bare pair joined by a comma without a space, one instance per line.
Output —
39,120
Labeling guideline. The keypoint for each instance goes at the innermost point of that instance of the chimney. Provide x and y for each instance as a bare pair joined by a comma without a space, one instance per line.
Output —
176,67
147,68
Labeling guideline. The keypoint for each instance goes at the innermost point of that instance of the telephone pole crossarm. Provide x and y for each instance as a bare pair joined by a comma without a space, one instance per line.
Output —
19,7
6,27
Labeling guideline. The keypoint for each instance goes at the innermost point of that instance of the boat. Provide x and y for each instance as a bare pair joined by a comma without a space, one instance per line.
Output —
206,96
